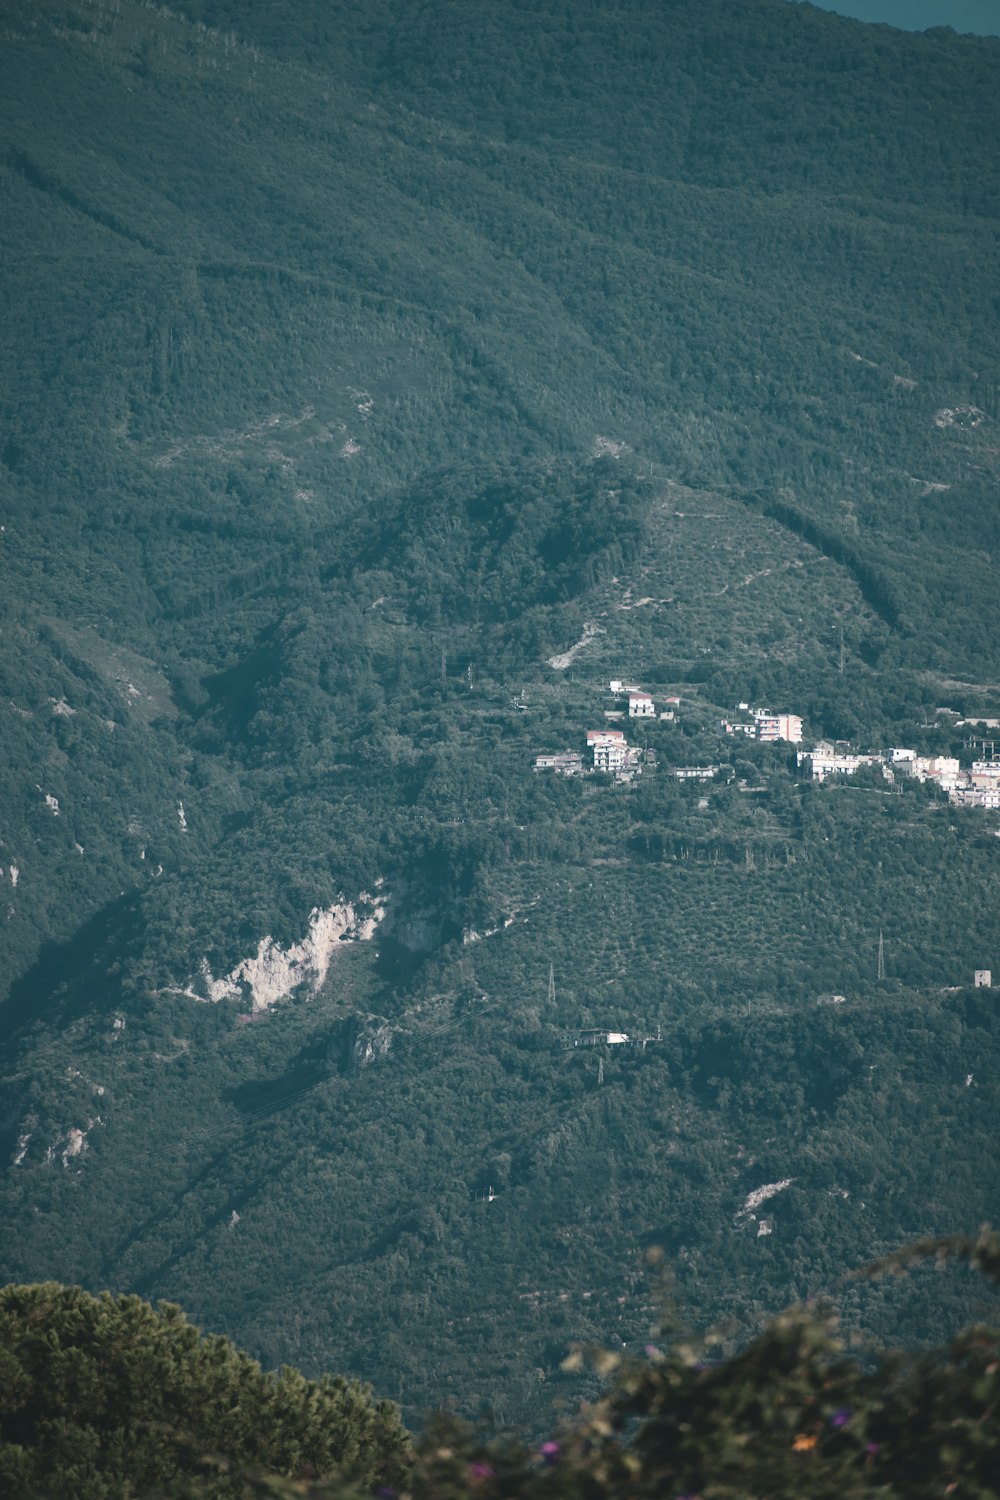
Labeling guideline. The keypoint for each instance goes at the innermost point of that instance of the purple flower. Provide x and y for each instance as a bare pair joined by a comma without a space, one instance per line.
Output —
480,1470
550,1452
872,1448
841,1416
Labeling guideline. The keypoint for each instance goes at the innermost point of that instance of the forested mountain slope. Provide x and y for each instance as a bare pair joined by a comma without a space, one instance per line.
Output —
366,373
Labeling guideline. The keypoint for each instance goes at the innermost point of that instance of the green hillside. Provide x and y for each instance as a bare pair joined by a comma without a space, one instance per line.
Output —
378,383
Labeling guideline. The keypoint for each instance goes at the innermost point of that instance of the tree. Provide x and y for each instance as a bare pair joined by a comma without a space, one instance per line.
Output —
106,1396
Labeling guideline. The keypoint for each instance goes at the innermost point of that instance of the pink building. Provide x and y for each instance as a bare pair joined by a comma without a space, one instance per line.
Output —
778,726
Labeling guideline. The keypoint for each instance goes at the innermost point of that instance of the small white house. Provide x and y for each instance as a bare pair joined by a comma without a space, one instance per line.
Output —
641,706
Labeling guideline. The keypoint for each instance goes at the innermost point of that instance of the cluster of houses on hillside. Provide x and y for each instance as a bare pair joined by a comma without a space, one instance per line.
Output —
762,724
977,786
608,747
640,704
610,751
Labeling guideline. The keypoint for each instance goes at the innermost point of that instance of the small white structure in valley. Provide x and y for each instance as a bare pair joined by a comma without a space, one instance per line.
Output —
596,1036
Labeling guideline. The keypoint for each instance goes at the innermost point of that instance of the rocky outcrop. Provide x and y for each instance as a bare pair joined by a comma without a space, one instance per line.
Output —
72,1143
425,915
357,1041
373,1042
274,972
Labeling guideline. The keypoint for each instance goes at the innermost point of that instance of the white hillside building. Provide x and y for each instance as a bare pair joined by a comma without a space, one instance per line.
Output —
610,755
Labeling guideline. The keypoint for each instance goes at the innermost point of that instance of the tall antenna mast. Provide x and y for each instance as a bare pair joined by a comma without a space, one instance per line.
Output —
881,955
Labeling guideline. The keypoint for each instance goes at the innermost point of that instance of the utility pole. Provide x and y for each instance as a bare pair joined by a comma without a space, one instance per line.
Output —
444,664
600,1071
841,666
881,955
551,997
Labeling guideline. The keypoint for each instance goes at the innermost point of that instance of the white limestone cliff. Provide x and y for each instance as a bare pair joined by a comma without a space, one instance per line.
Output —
273,972
760,1195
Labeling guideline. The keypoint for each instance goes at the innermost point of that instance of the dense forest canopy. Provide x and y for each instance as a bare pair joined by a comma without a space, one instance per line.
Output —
377,384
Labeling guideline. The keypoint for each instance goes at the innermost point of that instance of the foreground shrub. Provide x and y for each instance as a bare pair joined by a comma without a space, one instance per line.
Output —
107,1396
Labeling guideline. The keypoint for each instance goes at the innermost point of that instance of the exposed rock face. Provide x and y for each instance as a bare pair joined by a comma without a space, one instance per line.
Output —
71,1144
374,1042
420,930
424,915
274,972
760,1195
357,1041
